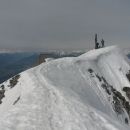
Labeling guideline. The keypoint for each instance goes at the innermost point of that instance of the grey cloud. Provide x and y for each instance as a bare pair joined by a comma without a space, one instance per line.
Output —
63,24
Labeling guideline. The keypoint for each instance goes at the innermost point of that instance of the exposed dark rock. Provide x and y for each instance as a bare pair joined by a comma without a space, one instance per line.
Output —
2,92
104,80
128,95
117,105
16,100
90,70
113,90
126,89
104,86
127,107
99,78
14,81
128,75
126,120
2,86
118,94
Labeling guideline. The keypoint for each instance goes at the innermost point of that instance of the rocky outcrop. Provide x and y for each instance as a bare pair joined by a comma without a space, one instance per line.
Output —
2,95
14,81
119,103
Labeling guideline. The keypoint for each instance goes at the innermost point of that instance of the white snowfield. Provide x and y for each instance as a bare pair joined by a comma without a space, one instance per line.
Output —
67,94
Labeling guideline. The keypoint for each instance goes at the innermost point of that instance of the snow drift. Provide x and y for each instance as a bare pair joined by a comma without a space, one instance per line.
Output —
89,92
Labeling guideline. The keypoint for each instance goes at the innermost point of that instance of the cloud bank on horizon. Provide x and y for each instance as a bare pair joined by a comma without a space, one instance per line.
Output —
63,24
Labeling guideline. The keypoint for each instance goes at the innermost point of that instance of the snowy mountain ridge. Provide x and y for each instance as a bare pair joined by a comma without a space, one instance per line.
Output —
89,92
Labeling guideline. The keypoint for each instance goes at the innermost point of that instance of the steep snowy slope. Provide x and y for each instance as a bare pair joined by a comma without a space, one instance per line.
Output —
89,92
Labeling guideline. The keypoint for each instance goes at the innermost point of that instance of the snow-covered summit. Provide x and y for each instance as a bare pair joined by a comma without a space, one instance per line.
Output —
89,92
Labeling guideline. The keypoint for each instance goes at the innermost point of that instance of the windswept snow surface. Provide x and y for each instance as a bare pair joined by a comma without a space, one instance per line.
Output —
68,94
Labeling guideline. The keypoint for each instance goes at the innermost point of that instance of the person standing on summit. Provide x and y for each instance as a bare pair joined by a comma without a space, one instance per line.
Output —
102,42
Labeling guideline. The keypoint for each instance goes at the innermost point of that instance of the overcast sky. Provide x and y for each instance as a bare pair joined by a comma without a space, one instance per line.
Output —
63,24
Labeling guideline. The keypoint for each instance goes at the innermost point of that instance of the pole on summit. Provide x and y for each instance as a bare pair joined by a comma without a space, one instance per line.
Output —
96,42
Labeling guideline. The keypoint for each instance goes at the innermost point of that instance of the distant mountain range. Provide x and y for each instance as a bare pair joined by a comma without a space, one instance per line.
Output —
14,63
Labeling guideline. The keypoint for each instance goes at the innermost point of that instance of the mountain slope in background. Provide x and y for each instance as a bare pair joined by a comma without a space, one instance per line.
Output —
89,92
14,63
